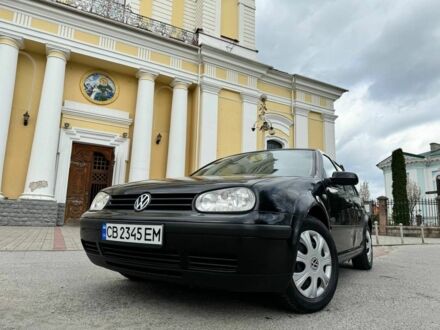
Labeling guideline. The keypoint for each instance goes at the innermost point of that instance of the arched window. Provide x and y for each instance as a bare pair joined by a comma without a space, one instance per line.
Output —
273,144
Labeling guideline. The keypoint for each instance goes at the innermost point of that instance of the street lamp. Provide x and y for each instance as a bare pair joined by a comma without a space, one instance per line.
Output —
263,124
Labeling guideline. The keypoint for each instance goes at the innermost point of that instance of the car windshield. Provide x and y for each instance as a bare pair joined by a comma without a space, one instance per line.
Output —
275,163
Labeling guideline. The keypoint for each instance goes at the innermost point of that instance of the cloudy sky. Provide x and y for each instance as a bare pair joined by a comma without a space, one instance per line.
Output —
387,53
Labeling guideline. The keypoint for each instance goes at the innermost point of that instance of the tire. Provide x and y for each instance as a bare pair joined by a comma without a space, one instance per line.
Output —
364,261
317,261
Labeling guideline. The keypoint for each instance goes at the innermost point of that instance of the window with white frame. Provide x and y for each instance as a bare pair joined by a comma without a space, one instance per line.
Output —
274,144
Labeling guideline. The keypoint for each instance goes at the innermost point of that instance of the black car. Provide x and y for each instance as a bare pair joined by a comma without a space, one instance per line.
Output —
267,221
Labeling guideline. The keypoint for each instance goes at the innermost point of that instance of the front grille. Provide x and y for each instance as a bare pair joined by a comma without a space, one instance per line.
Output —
147,270
139,255
159,202
90,247
152,261
213,264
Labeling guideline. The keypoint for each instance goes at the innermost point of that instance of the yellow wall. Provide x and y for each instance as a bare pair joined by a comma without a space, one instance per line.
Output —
161,124
177,14
28,84
6,15
160,58
307,97
243,79
316,131
221,73
44,25
230,119
126,100
127,85
274,89
229,19
127,49
95,125
86,37
190,66
261,143
146,8
278,107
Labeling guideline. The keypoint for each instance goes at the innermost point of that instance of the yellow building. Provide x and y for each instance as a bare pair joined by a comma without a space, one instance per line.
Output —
94,93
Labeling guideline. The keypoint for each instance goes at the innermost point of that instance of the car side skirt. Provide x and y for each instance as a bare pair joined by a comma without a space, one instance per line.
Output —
350,254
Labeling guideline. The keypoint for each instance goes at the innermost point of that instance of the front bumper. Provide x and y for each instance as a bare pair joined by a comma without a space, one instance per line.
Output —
223,255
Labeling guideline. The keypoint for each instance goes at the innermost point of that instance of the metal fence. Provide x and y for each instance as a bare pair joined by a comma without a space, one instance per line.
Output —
122,13
414,213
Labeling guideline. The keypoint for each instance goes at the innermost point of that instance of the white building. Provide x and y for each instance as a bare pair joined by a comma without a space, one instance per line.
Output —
423,169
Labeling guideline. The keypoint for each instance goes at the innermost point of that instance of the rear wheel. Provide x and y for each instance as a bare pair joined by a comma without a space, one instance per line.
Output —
364,261
315,276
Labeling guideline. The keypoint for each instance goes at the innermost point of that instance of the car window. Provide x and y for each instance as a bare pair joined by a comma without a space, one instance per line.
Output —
329,168
271,162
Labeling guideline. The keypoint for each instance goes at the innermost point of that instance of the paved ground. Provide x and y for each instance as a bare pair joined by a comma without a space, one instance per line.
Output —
396,240
62,289
39,238
67,238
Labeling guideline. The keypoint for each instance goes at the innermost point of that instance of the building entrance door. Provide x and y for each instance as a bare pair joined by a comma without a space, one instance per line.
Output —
91,169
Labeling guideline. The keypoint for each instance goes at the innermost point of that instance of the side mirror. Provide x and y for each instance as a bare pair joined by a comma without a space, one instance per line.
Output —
344,178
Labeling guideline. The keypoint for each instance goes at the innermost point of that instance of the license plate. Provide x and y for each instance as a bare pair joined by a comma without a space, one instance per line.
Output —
143,234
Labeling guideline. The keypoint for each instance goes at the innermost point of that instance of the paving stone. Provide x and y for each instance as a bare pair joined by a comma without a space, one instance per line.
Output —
21,238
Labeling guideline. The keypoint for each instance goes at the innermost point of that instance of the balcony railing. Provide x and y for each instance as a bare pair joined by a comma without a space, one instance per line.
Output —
121,13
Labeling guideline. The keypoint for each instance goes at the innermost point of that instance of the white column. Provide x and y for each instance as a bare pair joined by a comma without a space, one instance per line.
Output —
9,48
301,128
143,127
250,114
208,124
178,124
329,135
40,180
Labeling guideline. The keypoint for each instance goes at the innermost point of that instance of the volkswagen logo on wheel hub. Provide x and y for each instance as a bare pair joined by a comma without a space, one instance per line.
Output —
142,202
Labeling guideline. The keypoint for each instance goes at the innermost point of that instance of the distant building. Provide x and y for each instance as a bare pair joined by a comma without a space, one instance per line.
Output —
423,169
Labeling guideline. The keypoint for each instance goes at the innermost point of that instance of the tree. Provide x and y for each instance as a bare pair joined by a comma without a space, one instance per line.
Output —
364,192
400,196
413,191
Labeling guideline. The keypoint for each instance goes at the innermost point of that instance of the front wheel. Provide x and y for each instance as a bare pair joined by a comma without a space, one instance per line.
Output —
315,275
364,261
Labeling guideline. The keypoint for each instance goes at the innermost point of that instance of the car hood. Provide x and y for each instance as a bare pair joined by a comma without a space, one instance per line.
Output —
184,185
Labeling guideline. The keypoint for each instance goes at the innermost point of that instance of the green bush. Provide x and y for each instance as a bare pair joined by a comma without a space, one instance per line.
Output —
400,205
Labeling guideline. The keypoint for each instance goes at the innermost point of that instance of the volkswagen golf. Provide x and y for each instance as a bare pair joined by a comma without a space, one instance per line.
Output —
268,221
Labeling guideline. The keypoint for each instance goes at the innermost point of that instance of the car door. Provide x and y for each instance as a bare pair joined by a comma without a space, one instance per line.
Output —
340,209
357,215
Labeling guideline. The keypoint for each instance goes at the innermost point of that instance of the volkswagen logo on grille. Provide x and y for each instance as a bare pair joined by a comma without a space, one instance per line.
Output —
142,202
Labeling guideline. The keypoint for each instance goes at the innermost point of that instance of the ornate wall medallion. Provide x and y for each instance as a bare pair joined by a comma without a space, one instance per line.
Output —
99,88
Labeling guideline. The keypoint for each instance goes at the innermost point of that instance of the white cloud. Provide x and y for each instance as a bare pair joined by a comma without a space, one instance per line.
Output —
385,52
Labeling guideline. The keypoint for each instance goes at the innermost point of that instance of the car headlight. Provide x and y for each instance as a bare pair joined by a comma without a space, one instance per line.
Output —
100,201
238,199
